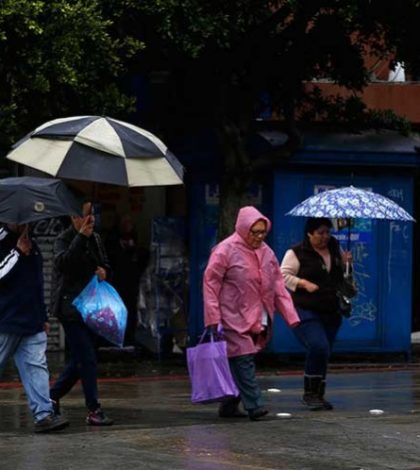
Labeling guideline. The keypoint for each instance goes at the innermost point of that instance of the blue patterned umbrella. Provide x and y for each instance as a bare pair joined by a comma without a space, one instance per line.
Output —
350,203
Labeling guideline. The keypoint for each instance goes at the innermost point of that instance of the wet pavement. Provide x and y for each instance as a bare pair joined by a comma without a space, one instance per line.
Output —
156,426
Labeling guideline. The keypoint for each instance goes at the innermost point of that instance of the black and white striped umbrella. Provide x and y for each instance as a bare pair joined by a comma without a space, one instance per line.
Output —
98,149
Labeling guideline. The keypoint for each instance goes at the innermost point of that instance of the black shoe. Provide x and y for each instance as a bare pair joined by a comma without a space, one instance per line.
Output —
313,402
98,418
51,423
225,412
257,413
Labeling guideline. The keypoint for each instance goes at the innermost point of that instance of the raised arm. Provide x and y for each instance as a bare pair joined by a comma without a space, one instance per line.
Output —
69,255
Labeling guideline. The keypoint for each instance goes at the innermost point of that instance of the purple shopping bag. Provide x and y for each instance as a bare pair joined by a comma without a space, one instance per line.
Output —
210,376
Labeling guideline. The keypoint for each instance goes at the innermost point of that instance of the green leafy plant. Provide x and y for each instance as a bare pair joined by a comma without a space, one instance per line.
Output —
58,58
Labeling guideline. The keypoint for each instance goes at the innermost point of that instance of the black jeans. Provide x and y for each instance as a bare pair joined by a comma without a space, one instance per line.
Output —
82,365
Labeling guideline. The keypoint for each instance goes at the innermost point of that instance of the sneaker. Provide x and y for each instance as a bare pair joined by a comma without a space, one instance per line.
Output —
257,413
98,418
51,423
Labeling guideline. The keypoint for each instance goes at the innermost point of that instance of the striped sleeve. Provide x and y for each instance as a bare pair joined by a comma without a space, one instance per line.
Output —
3,233
7,264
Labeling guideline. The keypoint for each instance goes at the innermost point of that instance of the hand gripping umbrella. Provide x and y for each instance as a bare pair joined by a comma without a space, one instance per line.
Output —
100,150
28,199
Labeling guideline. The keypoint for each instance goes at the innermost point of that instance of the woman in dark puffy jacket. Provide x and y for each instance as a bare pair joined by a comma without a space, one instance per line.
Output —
313,270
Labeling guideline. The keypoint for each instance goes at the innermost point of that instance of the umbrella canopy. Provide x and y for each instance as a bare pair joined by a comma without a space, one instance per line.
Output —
98,149
28,199
350,202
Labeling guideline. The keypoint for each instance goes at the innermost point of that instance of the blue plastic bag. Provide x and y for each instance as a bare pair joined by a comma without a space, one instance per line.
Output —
103,310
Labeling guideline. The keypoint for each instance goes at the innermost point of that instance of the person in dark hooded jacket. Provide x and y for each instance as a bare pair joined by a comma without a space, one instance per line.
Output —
78,255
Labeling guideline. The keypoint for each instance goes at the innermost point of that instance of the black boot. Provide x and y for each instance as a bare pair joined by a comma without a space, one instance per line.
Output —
326,404
229,408
311,396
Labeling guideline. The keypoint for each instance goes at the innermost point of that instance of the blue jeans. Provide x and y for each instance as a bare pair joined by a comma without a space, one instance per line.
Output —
29,355
243,372
318,338
82,365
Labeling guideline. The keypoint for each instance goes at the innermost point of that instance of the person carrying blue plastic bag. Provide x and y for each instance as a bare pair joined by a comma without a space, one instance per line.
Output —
78,256
103,310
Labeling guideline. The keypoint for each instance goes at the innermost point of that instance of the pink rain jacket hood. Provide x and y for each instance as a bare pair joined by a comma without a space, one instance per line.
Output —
240,282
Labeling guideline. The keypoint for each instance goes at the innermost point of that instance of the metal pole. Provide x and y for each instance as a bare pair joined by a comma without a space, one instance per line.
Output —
348,221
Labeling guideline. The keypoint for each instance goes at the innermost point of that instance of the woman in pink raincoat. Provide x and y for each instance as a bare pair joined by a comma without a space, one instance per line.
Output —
243,286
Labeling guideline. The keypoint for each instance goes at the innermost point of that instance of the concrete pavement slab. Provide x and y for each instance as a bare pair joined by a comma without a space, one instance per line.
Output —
156,427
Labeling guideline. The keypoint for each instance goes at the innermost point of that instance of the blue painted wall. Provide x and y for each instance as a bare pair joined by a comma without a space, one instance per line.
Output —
382,251
381,320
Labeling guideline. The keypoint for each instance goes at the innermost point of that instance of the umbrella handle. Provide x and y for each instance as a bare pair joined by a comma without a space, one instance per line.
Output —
348,219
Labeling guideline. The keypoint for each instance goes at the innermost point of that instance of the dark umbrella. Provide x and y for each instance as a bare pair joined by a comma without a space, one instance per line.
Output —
29,199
